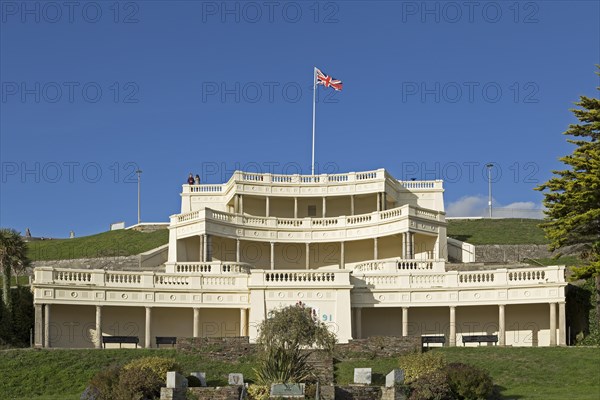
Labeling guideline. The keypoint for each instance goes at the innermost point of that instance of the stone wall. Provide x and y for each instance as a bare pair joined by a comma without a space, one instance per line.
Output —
228,349
378,346
216,393
352,392
114,263
510,253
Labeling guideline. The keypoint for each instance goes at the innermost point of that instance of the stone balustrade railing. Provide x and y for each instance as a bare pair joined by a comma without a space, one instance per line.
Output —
309,222
296,179
458,279
210,268
300,278
396,265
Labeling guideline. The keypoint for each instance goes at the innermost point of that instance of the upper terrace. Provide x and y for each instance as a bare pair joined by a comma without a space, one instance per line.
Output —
378,183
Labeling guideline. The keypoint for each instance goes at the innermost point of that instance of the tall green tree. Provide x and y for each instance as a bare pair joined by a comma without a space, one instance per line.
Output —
572,196
12,257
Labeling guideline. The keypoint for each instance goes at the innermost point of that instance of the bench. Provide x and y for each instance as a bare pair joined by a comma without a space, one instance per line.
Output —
480,339
172,340
120,340
425,340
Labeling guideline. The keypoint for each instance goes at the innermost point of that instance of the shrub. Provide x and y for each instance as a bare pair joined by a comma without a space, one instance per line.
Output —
104,383
193,381
280,365
416,365
432,386
258,392
158,365
468,382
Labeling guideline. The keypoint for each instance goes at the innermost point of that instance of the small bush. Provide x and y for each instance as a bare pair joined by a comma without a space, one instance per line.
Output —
138,384
416,365
432,386
258,392
468,382
105,382
158,365
193,381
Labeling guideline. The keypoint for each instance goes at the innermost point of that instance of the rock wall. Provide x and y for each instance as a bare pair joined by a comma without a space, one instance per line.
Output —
510,253
357,392
378,346
215,393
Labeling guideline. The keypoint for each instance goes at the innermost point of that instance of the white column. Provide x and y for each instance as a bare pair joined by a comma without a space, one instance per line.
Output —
196,327
552,324
267,207
295,207
404,321
208,247
378,201
501,326
47,325
383,201
375,249
452,334
342,255
272,260
403,239
98,327
324,207
352,204
562,328
201,255
203,247
358,322
237,250
307,255
236,204
241,204
243,322
148,330
39,326
410,248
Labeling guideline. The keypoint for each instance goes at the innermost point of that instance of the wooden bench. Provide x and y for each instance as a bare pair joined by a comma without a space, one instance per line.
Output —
120,340
480,339
172,340
425,340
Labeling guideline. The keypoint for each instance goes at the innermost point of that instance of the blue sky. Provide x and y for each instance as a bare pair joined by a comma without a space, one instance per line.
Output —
94,90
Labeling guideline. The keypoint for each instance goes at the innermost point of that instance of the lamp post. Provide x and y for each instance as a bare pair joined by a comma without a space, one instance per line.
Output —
489,167
139,177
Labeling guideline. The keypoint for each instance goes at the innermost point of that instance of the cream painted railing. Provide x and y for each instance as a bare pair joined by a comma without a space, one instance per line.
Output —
212,268
457,279
308,222
295,278
394,265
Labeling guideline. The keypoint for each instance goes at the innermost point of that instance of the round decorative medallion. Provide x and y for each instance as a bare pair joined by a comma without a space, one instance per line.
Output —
255,233
428,297
477,295
527,294
124,296
300,294
173,297
220,298
320,295
382,297
280,294
73,294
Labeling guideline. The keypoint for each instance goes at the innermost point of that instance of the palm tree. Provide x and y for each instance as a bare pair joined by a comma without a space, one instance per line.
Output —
12,256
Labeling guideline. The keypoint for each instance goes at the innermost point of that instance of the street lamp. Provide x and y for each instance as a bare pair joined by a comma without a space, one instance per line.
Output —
489,169
139,176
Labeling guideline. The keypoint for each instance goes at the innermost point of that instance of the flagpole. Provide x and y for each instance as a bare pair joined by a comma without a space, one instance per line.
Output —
314,107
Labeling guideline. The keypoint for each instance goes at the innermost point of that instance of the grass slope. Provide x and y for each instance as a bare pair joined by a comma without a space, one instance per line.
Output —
522,373
124,242
497,231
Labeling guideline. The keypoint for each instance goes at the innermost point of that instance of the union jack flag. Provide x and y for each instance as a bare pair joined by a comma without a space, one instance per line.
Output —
328,81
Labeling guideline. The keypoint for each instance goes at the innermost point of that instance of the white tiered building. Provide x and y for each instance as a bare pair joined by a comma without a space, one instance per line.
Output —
365,251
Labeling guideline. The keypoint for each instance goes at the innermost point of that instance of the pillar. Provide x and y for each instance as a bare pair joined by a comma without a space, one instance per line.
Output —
342,255
196,327
351,204
148,328
295,207
98,327
562,328
237,250
47,325
241,204
452,334
375,248
403,239
236,204
272,258
307,255
243,322
404,321
501,326
552,324
267,207
207,248
378,201
383,201
410,245
324,207
201,255
38,340
358,322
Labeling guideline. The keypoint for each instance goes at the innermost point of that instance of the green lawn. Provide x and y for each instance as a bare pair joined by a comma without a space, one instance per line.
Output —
497,231
521,373
124,242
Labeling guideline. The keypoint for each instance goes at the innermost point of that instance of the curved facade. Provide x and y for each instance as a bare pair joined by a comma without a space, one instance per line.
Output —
365,251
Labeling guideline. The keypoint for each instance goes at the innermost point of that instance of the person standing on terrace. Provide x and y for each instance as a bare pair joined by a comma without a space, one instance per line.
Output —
190,180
